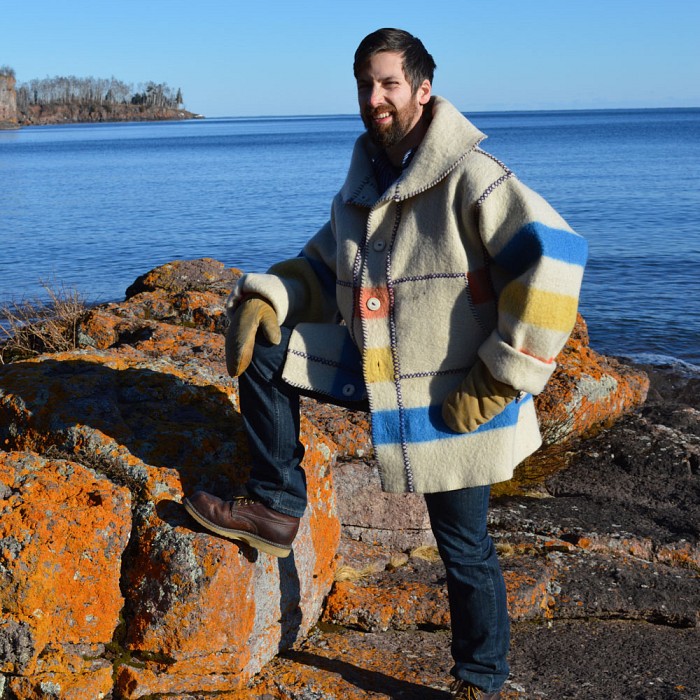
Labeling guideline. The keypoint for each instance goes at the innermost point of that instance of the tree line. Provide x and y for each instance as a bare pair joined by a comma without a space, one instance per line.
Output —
71,90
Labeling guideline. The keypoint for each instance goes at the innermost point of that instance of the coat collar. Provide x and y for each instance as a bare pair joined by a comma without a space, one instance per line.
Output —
449,138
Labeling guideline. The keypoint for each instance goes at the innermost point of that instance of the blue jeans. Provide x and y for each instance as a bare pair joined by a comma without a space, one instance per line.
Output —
477,595
475,586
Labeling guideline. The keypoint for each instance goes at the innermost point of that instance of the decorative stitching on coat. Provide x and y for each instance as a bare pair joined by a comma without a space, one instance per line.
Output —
356,281
487,328
314,358
493,186
432,373
360,187
323,361
506,169
410,486
475,314
431,276
442,175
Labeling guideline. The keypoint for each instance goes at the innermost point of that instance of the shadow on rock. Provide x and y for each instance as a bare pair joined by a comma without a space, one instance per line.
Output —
366,680
109,409
290,599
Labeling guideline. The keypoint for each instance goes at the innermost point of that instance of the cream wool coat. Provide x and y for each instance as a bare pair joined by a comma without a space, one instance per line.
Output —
399,293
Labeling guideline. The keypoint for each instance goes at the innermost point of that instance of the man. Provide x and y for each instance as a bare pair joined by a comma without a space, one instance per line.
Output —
437,295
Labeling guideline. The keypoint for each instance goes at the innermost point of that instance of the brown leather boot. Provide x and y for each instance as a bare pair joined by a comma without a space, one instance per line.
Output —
245,519
461,690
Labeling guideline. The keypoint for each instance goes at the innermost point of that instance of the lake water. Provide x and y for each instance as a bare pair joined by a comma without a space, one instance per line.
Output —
92,207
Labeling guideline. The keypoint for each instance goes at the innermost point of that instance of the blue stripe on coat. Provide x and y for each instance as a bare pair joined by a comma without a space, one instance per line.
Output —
425,424
535,240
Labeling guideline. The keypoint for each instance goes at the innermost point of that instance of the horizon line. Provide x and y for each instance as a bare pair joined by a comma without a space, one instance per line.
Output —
477,111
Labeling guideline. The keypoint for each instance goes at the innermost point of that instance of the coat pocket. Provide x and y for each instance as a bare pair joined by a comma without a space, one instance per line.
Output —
322,358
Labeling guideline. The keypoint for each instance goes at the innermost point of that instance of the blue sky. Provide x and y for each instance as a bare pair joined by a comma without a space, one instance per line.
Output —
277,57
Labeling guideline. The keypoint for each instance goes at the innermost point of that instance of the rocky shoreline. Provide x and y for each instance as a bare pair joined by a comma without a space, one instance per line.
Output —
45,115
109,590
602,567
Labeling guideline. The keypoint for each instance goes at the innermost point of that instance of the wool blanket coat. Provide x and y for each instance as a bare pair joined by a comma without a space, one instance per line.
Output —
398,294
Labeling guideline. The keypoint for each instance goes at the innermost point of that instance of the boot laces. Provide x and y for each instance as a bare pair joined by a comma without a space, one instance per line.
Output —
243,501
463,691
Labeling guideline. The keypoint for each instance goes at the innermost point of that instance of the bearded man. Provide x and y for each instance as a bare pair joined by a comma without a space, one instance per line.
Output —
437,297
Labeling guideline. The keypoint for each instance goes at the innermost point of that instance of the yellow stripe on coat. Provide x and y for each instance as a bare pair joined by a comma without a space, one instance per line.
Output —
556,312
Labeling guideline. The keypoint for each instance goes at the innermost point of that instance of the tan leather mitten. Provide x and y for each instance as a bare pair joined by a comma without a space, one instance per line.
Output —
252,314
478,399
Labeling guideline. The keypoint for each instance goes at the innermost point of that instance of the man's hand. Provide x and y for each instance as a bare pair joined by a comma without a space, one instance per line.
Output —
478,399
252,314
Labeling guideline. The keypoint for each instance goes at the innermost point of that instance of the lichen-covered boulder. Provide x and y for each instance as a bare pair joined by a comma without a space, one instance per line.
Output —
196,604
201,274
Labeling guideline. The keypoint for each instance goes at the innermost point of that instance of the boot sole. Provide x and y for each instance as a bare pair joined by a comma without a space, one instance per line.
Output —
276,550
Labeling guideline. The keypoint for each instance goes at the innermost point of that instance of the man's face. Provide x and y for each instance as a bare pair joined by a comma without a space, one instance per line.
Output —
388,106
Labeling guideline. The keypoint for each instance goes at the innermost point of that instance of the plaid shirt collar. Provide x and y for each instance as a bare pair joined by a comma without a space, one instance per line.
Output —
387,174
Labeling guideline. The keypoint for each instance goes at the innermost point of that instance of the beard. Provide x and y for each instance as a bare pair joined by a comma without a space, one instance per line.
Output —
388,135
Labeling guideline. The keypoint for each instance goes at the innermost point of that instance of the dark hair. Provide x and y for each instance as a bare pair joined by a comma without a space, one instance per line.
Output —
418,64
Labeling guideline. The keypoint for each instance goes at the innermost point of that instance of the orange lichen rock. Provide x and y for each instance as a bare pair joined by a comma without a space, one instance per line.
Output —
217,610
63,529
155,314
587,390
95,682
377,607
159,427
352,665
201,274
350,430
415,595
528,587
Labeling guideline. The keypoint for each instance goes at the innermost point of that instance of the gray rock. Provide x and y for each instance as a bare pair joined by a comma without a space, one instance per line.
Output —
396,521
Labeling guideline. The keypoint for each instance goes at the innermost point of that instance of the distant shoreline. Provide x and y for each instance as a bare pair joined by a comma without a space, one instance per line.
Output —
180,115
45,115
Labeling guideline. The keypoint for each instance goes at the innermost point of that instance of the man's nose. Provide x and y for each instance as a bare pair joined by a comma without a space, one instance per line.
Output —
376,96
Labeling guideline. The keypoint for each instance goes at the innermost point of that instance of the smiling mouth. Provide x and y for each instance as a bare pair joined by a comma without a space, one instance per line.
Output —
381,116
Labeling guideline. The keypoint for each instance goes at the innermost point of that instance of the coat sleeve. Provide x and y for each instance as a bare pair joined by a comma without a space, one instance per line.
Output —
536,263
300,289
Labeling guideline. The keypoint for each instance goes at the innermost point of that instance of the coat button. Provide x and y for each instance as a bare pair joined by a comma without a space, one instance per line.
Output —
348,390
379,246
373,304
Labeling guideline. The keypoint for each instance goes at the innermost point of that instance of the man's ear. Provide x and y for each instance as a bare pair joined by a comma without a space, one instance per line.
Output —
424,92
